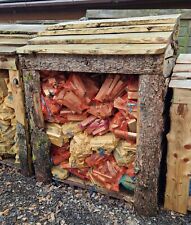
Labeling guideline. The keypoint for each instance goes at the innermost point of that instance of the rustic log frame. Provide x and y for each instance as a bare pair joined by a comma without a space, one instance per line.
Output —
152,91
10,62
39,140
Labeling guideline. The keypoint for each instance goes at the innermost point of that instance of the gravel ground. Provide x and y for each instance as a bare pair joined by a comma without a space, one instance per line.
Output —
23,201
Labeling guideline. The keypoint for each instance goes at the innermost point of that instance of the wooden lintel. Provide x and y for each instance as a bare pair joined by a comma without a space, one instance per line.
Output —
130,64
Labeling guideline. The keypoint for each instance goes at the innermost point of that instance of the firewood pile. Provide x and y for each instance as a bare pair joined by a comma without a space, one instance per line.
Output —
8,137
91,123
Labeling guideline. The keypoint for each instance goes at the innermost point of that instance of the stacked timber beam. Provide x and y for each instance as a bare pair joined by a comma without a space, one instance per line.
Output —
14,138
143,47
178,189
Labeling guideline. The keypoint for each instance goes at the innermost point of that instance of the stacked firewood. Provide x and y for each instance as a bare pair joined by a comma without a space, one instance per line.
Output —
8,138
91,122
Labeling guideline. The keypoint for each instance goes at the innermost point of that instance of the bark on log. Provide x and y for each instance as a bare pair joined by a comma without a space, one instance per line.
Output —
39,140
136,64
25,154
148,155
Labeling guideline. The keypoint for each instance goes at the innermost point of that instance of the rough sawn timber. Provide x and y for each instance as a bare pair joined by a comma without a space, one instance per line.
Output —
126,38
184,59
112,30
7,62
166,19
150,126
181,76
39,140
95,49
179,159
130,64
25,154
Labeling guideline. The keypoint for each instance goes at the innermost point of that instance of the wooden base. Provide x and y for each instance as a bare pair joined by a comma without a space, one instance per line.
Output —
76,182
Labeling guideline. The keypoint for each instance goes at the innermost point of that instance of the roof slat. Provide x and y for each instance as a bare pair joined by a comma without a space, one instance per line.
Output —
184,59
21,28
14,35
182,68
127,38
112,30
180,84
116,22
13,41
181,75
140,35
94,49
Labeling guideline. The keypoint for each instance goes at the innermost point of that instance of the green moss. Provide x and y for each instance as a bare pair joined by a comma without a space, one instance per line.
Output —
28,77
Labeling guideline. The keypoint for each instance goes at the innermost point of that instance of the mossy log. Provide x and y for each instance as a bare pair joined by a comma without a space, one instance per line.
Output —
25,154
39,140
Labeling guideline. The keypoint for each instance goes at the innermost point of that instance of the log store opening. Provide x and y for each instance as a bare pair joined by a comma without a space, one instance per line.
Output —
94,93
91,121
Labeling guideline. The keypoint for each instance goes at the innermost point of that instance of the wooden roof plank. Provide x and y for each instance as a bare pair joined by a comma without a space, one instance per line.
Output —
21,28
13,41
182,68
127,38
19,36
116,22
13,36
95,49
184,59
180,84
8,49
112,30
181,75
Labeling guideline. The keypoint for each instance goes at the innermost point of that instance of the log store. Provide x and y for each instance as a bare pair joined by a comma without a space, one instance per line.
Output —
14,140
178,188
94,93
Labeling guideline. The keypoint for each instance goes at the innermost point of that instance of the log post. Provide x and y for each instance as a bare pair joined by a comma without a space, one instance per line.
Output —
150,128
39,139
25,154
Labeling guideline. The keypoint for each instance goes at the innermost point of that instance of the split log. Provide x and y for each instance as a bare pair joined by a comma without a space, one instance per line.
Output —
39,139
